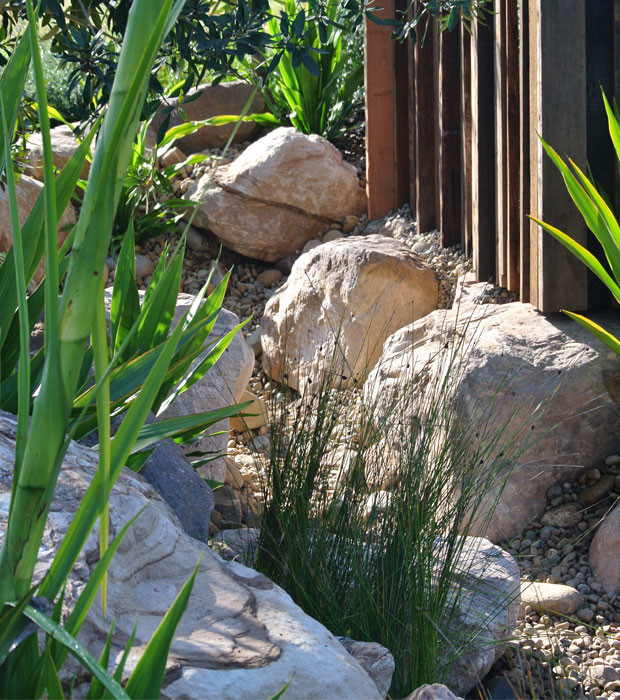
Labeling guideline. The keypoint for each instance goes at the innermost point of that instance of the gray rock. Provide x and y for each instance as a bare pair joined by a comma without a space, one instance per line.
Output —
177,482
375,659
241,636
541,376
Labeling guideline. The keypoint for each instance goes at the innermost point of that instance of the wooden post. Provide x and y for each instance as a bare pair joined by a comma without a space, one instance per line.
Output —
483,151
501,140
466,140
558,113
449,137
425,153
401,147
513,146
524,165
380,115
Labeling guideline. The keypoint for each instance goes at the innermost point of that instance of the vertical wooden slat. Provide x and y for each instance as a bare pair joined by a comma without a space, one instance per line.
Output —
524,137
425,156
380,115
411,126
465,140
449,141
401,147
501,135
558,113
483,151
513,146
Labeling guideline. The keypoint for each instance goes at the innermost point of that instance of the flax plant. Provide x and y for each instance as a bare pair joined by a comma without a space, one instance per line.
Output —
142,377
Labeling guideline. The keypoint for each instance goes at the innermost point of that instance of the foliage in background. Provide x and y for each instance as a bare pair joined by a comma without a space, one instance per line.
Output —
314,91
209,40
52,392
600,219
370,539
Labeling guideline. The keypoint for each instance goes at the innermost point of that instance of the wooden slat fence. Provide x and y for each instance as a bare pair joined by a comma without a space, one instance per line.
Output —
452,129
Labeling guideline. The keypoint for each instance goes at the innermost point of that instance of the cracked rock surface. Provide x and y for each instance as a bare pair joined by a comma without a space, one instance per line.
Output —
241,635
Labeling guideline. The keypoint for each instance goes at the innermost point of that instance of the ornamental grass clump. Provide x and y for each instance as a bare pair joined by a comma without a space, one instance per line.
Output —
140,368
369,505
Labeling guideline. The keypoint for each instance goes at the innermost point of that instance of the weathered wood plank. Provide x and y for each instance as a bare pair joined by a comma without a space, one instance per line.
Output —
425,153
524,164
449,137
483,151
466,221
411,125
558,113
501,135
380,115
513,145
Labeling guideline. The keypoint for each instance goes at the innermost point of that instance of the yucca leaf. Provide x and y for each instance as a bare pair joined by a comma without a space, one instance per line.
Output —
610,340
23,370
50,680
146,679
11,88
56,632
125,303
96,689
614,126
582,254
195,424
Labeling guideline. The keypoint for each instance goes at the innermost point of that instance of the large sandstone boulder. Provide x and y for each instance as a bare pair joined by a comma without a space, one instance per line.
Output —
340,303
213,101
28,191
605,552
548,384
241,636
64,145
282,191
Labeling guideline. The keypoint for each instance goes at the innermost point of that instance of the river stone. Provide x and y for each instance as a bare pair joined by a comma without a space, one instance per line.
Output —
351,293
28,190
282,191
597,491
241,636
604,551
550,597
64,145
551,382
566,515
213,101
375,659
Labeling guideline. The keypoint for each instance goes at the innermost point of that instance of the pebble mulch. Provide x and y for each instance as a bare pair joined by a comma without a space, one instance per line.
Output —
576,656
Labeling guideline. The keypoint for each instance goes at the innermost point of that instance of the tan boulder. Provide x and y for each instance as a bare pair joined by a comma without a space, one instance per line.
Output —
540,385
282,191
28,191
213,101
340,303
64,145
605,552
553,598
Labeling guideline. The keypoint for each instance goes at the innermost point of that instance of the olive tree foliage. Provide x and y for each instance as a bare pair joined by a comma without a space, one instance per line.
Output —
211,37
